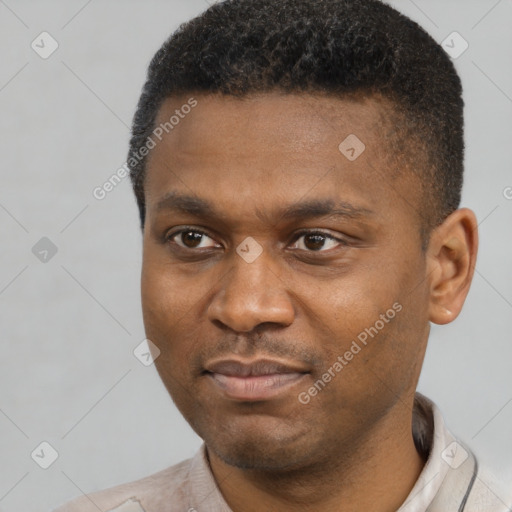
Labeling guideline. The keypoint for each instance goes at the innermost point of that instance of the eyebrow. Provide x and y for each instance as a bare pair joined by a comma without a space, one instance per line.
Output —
328,207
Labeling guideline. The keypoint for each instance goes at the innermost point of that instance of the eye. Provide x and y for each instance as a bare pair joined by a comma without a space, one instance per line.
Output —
190,239
311,241
315,241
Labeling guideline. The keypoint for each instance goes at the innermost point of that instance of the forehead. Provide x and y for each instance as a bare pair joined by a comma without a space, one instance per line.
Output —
272,148
284,122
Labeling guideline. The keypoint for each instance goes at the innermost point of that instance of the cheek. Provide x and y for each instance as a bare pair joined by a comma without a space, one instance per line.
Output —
167,321
167,293
355,301
380,337
359,320
167,307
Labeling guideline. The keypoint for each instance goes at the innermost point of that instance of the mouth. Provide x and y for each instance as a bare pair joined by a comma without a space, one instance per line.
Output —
254,381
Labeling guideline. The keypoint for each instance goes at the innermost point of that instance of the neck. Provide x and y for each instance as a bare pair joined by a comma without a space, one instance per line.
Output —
377,474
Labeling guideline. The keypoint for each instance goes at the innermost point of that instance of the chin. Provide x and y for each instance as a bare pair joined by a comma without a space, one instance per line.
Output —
267,449
247,455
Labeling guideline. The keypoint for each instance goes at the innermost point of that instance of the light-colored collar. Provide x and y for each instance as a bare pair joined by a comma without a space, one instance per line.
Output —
432,439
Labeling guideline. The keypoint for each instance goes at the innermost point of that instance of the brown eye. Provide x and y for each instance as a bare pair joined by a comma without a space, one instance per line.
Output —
190,239
315,241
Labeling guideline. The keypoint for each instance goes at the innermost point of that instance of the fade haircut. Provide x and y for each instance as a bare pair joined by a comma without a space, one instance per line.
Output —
342,48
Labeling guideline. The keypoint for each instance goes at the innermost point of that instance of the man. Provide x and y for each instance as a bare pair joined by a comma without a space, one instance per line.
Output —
298,169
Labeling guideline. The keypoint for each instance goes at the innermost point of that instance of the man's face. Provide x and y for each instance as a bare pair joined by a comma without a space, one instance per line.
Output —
255,277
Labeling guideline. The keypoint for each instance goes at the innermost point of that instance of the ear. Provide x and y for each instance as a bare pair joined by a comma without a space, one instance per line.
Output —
451,257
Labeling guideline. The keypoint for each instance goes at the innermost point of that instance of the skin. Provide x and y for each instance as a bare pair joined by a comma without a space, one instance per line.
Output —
303,300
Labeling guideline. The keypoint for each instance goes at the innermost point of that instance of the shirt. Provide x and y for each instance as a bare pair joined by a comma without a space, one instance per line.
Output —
451,480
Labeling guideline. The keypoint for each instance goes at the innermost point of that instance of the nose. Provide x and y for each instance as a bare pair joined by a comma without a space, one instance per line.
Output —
251,294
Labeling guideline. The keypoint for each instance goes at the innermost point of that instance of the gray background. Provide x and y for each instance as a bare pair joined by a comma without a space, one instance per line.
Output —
69,326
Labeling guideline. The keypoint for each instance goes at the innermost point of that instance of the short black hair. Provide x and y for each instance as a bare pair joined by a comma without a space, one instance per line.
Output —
334,47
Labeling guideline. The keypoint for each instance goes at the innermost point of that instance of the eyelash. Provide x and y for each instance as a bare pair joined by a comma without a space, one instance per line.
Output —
188,229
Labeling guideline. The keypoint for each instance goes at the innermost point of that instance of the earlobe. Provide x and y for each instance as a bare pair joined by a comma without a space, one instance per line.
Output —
451,255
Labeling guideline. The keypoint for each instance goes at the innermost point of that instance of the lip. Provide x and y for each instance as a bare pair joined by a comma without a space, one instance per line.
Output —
257,380
255,368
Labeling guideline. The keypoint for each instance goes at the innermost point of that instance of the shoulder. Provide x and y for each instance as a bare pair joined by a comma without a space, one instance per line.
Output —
144,495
